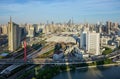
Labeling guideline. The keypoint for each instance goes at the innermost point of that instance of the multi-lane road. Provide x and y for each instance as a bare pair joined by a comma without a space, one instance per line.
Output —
33,60
29,56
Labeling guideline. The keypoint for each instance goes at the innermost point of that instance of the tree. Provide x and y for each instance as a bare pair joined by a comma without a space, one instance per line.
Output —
107,51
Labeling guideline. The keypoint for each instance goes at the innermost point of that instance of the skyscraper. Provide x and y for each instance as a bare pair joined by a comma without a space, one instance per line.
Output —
5,29
109,26
93,43
83,40
31,31
14,36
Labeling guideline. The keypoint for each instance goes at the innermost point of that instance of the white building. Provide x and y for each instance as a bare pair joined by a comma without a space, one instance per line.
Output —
58,56
93,43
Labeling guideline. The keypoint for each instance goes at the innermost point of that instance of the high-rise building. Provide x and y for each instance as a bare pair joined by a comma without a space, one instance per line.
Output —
27,28
93,43
31,31
109,26
36,28
14,36
5,29
83,40
46,29
115,25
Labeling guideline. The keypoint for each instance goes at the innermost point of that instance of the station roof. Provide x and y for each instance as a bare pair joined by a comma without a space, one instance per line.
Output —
59,39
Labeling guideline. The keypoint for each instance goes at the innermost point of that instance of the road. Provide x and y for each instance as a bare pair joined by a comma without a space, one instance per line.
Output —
45,61
21,61
21,72
13,56
33,60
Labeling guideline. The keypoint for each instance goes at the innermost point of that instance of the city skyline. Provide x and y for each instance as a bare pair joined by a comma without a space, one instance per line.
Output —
36,11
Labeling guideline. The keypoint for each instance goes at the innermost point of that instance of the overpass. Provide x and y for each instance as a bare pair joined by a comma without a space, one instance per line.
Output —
42,61
114,56
51,61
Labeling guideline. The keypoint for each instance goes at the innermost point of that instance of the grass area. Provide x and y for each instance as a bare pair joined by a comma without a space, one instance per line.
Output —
47,54
1,57
107,51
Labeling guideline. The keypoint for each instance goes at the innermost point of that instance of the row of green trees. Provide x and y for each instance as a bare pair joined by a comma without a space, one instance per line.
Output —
49,72
107,51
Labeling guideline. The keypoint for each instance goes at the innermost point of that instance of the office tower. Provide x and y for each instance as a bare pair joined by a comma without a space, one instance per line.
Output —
36,28
100,29
109,26
14,36
83,40
5,29
31,31
23,32
115,25
51,28
93,43
46,29
27,28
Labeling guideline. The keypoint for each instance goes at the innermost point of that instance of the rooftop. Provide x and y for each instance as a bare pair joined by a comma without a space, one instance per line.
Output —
59,39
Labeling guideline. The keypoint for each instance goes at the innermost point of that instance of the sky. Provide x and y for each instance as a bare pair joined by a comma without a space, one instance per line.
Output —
37,11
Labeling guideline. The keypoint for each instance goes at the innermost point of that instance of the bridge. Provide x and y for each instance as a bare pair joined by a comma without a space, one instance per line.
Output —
60,61
114,56
49,61
42,61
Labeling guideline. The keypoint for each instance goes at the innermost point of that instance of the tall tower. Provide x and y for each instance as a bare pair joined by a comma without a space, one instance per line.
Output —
93,43
14,36
109,26
31,31
83,40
